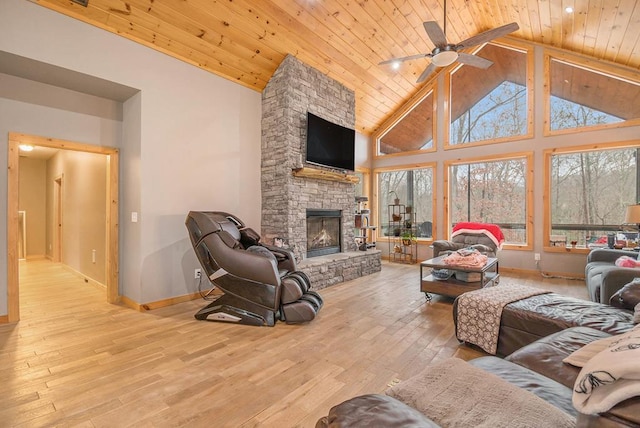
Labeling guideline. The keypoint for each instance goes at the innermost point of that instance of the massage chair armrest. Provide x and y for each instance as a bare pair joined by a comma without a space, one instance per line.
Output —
241,263
608,255
285,257
614,279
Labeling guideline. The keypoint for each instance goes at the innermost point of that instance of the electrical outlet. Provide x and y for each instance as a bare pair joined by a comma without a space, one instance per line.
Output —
536,257
197,273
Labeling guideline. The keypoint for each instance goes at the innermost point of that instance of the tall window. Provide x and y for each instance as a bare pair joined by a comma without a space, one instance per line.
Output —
412,132
415,188
491,104
580,97
589,190
493,191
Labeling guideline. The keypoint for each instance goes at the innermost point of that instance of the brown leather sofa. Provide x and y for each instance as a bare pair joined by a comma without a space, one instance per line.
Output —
527,320
539,333
537,368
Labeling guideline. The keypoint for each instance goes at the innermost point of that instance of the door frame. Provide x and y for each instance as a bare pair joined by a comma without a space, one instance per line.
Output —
58,197
112,256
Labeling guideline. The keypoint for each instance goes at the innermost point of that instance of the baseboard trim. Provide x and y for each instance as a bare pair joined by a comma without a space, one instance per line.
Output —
86,278
4,319
143,307
577,276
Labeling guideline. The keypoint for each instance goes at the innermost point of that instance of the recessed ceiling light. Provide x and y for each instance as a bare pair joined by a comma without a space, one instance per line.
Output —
395,65
25,147
568,9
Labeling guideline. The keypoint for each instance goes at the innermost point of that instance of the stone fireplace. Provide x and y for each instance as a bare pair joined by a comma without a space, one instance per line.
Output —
293,90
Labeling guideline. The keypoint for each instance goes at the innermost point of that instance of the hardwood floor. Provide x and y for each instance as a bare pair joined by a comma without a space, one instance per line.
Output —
75,360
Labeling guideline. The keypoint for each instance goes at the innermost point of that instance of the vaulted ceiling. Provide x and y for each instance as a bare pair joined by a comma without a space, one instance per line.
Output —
245,40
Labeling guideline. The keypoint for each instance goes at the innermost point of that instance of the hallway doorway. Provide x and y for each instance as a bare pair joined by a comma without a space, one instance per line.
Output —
112,244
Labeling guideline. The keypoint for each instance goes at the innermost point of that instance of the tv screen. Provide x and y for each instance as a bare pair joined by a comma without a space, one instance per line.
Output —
329,144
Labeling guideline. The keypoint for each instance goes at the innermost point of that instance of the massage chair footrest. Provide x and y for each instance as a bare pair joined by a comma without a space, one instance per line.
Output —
299,303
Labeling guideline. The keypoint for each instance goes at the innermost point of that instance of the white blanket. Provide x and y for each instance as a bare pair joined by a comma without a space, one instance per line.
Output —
611,376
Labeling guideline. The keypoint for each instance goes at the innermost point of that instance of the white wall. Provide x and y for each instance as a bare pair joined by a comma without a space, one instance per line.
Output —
189,141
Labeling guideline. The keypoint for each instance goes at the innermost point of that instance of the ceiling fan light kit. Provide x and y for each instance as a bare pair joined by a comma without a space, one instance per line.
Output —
444,58
445,53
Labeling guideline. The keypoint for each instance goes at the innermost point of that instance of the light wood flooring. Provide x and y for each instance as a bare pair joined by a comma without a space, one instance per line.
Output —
75,360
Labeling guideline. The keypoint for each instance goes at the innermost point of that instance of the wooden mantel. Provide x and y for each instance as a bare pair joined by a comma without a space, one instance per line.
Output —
321,174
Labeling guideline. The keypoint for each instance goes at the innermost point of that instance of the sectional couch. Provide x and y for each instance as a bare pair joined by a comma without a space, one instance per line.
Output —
537,368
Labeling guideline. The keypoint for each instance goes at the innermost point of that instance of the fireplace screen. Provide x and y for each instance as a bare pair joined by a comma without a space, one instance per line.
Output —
323,232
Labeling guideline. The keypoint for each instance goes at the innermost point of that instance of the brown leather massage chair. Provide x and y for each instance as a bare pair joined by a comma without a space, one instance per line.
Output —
260,282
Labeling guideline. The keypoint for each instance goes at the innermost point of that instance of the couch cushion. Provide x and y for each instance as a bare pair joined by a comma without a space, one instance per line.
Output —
545,355
374,410
528,320
542,386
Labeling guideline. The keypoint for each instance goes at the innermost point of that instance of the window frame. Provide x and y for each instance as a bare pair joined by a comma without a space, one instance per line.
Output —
401,113
547,155
529,184
589,65
376,198
529,55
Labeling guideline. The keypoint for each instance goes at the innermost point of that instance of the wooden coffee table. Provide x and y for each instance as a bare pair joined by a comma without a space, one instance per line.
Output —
453,287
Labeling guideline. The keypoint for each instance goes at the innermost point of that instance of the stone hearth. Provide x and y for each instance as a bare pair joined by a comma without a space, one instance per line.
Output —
292,91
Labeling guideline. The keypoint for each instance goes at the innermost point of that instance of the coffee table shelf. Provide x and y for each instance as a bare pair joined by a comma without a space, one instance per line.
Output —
453,287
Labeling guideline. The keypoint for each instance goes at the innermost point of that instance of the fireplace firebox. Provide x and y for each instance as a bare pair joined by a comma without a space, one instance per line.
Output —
324,232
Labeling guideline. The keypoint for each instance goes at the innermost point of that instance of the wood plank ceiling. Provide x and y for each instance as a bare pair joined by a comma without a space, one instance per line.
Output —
245,40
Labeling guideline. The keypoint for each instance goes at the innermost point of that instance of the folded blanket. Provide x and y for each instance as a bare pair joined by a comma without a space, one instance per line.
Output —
480,311
492,231
453,393
466,258
611,376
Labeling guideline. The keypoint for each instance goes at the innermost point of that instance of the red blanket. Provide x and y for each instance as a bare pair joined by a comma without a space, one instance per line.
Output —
492,231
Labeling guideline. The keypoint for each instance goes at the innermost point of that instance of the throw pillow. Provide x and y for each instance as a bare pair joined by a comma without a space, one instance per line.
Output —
611,376
628,296
581,357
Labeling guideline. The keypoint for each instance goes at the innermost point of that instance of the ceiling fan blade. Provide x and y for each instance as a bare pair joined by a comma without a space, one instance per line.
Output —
405,58
435,33
427,71
473,60
488,35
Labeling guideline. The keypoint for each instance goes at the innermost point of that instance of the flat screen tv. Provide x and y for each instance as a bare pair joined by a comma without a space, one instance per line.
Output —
329,144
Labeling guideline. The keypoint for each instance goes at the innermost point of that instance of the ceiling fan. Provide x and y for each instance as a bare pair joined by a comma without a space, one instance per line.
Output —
445,53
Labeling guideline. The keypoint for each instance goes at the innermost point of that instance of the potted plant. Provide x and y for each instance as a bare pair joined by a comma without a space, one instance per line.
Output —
408,238
408,209
396,201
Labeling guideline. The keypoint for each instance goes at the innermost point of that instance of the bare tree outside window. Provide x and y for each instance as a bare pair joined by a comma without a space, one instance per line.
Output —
414,188
590,192
502,113
491,192
566,115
